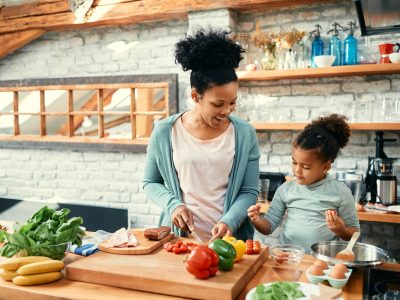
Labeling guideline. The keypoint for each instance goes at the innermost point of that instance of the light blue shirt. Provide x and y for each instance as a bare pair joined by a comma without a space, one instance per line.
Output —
161,183
306,206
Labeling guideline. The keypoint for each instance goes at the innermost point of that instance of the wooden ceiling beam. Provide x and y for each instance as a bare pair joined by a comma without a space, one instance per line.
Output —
121,12
41,7
12,41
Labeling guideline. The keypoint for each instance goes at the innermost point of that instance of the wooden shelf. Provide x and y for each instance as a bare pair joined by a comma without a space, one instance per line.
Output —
300,126
379,217
356,70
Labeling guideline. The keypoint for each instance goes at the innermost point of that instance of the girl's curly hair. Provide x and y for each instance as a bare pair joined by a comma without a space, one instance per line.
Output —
211,55
325,135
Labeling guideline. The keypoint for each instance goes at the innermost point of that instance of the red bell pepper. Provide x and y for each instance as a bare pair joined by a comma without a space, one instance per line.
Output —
202,262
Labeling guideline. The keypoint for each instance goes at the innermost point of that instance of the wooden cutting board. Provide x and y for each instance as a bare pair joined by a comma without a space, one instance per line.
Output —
145,246
164,273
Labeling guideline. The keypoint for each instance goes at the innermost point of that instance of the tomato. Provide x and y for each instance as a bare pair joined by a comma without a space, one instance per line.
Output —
256,247
282,257
249,247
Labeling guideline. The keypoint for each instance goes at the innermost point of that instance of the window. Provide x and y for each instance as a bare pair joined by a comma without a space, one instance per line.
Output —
116,110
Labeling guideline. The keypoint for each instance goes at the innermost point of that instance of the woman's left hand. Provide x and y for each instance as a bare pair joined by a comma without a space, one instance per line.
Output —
220,230
334,222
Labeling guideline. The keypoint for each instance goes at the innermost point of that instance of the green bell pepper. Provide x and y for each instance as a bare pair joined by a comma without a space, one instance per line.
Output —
226,253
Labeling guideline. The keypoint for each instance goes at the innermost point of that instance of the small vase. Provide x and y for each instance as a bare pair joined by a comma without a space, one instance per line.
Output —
290,59
269,61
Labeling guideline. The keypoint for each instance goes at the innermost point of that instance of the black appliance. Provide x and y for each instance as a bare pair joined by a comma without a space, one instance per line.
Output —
378,281
376,174
275,180
378,16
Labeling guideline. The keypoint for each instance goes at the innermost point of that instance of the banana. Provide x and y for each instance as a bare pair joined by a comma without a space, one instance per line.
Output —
12,264
37,278
8,275
41,267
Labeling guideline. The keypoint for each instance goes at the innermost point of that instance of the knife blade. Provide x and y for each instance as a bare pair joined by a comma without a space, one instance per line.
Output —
196,237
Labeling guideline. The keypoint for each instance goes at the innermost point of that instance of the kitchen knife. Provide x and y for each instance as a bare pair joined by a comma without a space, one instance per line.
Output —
196,237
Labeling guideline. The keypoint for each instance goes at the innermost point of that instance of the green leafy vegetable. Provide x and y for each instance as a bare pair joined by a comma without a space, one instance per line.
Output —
278,290
45,233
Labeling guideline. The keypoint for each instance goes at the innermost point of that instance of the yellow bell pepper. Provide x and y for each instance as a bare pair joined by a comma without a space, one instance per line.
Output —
239,245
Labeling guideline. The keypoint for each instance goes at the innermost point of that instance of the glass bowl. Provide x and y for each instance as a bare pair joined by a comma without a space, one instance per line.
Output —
287,254
57,251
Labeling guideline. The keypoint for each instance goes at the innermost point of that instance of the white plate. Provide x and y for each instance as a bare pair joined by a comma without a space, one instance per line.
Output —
395,208
306,288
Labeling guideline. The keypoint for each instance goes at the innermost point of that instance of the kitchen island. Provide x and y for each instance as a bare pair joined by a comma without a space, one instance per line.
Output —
66,289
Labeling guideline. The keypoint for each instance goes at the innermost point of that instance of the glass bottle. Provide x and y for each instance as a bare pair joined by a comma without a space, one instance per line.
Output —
350,46
335,45
317,46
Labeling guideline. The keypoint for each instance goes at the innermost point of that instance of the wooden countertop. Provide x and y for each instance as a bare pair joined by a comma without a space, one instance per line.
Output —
67,289
379,217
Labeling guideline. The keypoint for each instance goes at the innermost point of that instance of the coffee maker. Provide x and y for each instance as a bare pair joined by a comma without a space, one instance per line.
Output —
381,182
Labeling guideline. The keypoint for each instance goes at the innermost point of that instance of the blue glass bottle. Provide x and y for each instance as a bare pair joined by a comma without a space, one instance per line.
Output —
335,45
317,46
350,47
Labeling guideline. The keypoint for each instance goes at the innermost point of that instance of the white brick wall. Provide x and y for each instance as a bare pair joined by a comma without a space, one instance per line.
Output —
113,179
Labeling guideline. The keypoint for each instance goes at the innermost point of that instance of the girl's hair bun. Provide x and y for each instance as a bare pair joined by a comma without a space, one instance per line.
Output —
208,49
336,126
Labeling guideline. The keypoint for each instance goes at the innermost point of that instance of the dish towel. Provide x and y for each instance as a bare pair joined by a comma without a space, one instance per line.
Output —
90,244
85,250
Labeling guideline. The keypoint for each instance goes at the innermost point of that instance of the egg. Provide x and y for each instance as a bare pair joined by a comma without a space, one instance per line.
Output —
321,264
341,267
337,274
316,270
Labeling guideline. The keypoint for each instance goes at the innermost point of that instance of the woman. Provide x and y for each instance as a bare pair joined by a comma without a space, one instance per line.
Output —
202,165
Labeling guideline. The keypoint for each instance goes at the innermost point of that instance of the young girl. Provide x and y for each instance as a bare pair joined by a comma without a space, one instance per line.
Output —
319,208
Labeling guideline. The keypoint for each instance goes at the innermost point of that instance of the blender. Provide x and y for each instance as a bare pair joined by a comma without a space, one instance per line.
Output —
381,182
386,181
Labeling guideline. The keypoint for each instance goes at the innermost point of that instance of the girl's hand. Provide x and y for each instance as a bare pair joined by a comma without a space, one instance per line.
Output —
220,230
253,212
334,222
182,217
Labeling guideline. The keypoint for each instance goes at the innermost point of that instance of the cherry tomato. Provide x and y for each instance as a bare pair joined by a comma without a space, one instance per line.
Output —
282,257
256,247
249,247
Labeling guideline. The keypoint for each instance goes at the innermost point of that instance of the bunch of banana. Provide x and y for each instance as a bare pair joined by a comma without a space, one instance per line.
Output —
31,270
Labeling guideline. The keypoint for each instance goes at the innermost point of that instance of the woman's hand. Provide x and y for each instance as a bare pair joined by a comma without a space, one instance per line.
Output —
334,222
253,212
182,217
220,230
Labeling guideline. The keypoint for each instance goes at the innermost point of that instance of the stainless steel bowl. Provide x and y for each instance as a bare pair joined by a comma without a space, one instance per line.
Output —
365,255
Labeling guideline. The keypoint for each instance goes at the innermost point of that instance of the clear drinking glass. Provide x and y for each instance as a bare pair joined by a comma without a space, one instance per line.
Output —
391,295
263,194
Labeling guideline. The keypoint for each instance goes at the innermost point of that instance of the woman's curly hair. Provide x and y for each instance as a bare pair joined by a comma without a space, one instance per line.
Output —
325,135
211,56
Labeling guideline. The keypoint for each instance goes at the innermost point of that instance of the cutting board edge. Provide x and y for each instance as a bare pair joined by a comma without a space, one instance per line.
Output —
239,286
217,294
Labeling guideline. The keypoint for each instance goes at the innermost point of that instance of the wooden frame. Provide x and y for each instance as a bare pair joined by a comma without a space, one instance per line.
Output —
104,88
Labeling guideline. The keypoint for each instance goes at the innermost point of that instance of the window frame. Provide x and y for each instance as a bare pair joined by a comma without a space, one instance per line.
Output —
99,83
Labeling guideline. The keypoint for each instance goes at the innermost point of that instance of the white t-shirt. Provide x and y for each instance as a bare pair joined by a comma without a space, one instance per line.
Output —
203,168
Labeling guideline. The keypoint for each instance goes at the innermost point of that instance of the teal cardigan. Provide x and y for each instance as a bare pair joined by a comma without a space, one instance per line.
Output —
161,183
